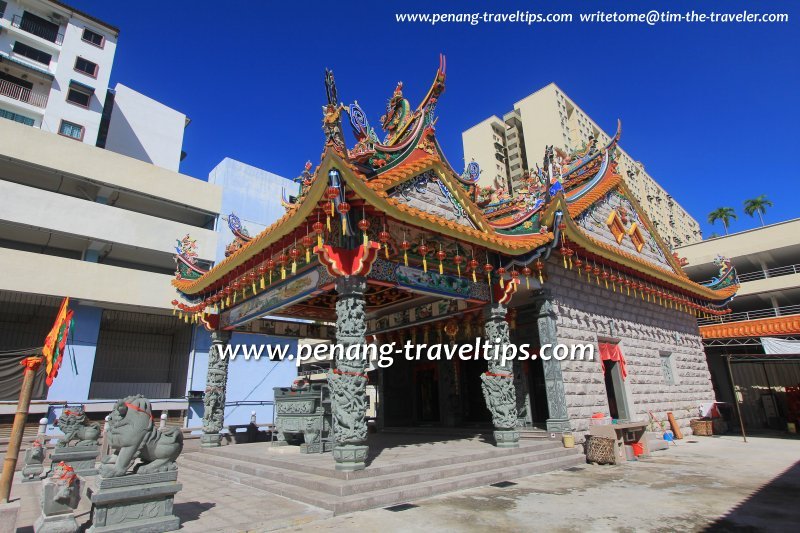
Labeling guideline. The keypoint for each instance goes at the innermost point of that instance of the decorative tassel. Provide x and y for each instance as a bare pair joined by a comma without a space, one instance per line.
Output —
458,268
254,287
344,225
294,267
541,279
366,240
386,249
424,264
474,279
405,257
441,268
308,256
527,282
263,285
502,284
319,238
283,271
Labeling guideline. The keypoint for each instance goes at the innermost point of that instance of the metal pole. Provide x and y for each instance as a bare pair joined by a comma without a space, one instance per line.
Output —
735,398
31,365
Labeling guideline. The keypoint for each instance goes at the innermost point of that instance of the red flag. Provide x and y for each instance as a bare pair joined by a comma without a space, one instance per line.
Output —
56,341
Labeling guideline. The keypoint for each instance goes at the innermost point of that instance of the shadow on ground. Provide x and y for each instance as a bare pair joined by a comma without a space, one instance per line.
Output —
191,511
772,507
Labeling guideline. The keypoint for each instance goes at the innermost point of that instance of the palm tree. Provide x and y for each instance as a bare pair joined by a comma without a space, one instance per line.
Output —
759,205
723,214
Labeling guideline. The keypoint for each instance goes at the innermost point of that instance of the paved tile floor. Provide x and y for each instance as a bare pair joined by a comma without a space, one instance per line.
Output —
717,484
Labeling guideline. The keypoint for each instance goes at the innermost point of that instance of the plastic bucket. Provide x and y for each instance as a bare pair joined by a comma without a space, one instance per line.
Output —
568,441
638,449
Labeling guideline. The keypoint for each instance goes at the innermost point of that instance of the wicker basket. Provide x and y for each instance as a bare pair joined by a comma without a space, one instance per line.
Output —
600,450
703,428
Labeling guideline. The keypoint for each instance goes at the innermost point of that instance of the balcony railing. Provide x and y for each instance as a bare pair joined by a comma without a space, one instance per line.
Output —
771,312
769,273
23,94
40,30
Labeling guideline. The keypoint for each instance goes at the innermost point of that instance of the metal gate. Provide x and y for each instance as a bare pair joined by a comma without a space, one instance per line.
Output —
140,353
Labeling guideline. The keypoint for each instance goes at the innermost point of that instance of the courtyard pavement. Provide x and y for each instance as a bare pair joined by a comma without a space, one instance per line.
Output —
704,483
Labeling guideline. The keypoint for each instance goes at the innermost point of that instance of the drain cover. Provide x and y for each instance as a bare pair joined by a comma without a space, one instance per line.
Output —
503,484
400,507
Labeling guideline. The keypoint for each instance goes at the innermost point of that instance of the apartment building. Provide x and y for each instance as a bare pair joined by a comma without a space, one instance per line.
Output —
761,336
507,148
55,66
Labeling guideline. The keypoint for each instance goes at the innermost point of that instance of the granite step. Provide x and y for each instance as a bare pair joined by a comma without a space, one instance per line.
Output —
344,496
462,457
412,474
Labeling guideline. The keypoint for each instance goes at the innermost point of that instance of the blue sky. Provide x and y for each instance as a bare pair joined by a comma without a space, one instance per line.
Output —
711,110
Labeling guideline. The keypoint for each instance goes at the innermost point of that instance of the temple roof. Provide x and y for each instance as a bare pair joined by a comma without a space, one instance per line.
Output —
406,179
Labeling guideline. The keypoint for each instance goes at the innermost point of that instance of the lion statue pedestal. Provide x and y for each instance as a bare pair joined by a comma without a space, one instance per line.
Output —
131,495
79,446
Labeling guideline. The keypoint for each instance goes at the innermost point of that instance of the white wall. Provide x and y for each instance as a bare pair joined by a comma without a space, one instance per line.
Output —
145,129
43,209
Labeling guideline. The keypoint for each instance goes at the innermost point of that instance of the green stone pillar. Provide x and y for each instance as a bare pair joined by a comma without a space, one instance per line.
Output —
216,383
498,381
558,420
348,379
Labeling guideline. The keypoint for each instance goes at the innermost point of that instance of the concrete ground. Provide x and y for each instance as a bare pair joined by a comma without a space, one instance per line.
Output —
704,483
716,484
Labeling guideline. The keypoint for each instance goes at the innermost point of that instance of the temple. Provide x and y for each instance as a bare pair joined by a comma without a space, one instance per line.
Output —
386,242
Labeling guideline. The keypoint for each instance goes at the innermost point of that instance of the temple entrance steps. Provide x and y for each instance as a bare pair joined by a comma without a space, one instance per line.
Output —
401,468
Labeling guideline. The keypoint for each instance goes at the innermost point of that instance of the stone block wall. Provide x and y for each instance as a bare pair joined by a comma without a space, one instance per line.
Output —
590,313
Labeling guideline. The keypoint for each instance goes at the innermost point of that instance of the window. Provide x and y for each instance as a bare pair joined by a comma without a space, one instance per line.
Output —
32,53
636,236
16,117
666,368
614,223
92,37
86,67
79,96
3,6
71,130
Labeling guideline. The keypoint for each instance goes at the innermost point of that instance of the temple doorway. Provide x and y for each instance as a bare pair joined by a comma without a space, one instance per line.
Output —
473,404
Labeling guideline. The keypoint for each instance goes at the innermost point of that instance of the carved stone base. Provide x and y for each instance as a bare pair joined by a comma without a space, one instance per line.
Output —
8,516
350,457
506,438
63,523
81,458
558,425
135,502
32,472
210,440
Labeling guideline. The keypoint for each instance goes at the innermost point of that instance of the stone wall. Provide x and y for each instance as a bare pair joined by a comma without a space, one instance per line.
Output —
587,312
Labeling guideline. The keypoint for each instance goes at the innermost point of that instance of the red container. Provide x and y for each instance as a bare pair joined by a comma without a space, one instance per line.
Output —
638,449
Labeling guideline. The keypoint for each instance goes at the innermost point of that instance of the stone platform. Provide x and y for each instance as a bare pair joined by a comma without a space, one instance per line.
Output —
135,502
400,468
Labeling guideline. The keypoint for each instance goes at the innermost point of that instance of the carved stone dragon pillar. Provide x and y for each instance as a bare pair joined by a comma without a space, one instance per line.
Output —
558,420
498,381
348,379
216,383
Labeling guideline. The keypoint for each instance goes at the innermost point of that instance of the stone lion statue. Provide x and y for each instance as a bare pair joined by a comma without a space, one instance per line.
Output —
76,427
132,434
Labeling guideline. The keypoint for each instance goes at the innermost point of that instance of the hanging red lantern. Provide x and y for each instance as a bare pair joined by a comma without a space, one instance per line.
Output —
441,255
384,237
627,283
501,272
307,243
174,306
473,266
331,194
526,271
294,253
262,271
344,208
406,246
578,265
251,277
539,270
488,269
613,279
318,228
457,259
283,260
596,272
236,285
270,268
363,225
422,250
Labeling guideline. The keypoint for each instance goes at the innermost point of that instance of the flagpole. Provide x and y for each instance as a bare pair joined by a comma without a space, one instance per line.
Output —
31,365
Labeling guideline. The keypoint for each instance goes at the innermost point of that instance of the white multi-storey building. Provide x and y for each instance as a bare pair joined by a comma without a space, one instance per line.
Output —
507,148
55,65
